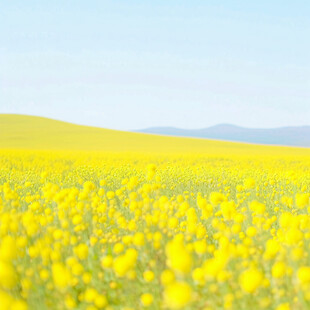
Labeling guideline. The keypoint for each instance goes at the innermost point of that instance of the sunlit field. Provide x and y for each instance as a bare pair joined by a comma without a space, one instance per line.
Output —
96,219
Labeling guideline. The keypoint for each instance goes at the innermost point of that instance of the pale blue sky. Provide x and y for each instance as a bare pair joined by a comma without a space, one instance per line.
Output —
136,64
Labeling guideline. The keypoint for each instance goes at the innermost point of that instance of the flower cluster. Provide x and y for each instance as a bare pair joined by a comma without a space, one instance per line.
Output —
95,231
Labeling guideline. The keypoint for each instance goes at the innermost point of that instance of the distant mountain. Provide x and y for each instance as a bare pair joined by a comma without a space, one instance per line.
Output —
290,136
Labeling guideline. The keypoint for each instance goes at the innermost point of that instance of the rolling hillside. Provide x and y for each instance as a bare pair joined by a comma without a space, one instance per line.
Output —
31,132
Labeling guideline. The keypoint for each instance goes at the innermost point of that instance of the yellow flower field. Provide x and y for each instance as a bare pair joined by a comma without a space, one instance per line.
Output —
149,222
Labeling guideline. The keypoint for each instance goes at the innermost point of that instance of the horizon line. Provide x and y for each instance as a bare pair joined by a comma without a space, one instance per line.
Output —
156,127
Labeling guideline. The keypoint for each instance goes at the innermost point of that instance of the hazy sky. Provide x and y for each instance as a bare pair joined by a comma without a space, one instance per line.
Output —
134,64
